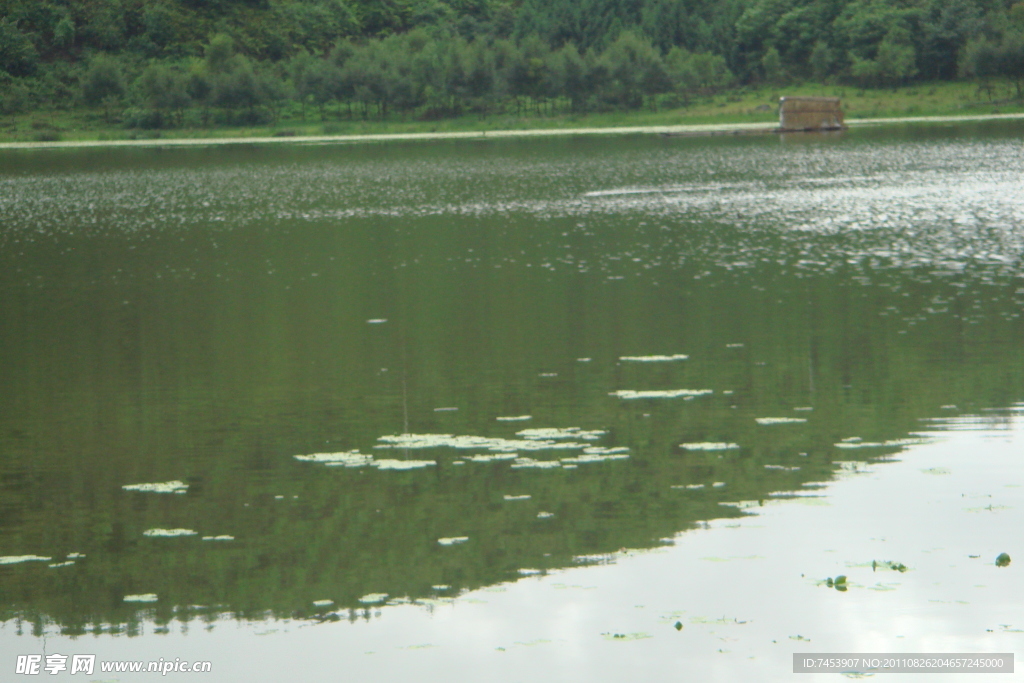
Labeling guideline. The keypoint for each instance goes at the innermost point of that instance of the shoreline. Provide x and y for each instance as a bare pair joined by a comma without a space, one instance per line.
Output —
677,130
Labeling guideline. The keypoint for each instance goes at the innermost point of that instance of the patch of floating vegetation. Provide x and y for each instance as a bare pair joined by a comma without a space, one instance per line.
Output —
525,463
496,444
604,450
164,487
454,540
551,433
594,457
223,537
1003,560
373,598
343,459
779,420
654,359
621,637
525,496
169,533
357,459
888,564
514,418
18,559
856,442
839,583
630,395
709,446
388,464
141,597
491,458
323,603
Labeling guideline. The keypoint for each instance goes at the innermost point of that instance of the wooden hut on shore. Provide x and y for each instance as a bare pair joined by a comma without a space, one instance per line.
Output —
810,113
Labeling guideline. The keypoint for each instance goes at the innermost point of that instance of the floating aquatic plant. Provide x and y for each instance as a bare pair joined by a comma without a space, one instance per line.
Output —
17,559
1003,560
342,459
523,463
709,446
168,533
839,583
402,464
164,487
455,540
889,564
550,433
631,395
409,441
779,420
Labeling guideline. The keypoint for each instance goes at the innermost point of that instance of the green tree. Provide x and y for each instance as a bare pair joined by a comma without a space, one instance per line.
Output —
18,56
163,90
103,83
771,67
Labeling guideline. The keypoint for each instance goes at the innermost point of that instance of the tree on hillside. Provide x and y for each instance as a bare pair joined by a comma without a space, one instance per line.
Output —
103,83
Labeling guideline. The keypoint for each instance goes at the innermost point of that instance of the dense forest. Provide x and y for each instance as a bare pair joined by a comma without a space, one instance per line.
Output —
164,63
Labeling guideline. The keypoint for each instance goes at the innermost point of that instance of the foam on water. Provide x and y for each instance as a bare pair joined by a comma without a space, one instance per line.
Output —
779,420
653,359
141,597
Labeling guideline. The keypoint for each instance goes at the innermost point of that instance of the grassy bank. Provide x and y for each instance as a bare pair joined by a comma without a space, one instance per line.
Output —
745,105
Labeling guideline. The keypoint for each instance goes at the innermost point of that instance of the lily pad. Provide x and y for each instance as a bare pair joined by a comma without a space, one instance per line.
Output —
1003,560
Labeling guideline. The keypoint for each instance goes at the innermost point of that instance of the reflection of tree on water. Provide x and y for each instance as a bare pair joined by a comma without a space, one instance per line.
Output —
353,531
228,371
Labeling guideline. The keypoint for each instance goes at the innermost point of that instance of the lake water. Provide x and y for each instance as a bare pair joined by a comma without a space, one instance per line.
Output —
573,409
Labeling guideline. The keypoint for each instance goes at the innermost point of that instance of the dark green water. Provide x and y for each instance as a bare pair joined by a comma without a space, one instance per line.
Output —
201,315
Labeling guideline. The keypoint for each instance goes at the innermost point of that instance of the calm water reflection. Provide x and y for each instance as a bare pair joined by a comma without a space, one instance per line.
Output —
206,316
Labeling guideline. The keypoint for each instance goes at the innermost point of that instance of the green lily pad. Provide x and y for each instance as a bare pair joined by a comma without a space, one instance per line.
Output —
1003,560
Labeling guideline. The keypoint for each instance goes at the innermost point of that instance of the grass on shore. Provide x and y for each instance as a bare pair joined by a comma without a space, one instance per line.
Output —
743,105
